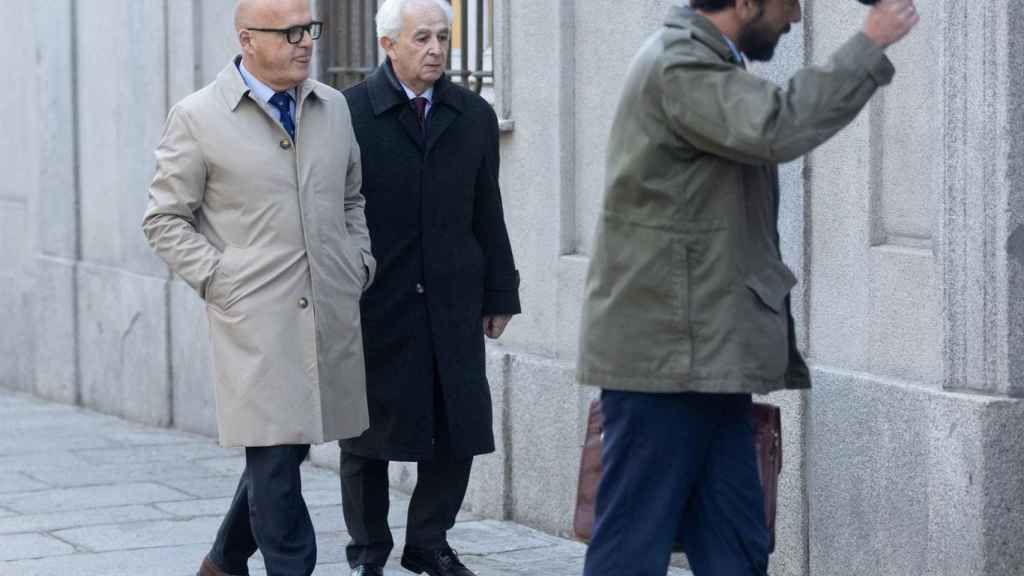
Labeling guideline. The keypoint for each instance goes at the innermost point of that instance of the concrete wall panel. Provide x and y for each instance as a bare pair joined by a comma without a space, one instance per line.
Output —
16,238
868,460
55,221
905,315
183,66
572,276
19,151
54,306
1012,87
488,494
192,377
904,145
906,480
121,50
981,205
546,419
56,228
17,333
531,172
1001,442
598,82
17,43
123,344
217,41
840,173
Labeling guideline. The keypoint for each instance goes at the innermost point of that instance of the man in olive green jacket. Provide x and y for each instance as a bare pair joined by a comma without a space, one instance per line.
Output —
686,309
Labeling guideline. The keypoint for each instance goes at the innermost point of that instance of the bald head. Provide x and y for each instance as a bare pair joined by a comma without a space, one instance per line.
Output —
259,13
266,52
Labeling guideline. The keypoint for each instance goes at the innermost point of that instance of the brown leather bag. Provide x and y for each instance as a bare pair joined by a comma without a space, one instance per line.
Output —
767,420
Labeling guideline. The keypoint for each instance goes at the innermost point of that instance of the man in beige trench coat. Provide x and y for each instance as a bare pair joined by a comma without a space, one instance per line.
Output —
256,204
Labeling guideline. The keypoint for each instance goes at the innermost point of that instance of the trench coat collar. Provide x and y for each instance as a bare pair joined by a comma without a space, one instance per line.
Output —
702,29
233,88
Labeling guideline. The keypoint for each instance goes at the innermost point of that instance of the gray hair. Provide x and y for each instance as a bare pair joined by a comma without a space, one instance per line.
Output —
389,16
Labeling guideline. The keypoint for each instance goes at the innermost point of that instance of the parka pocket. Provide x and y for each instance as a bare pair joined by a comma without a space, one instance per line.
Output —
636,320
767,323
772,284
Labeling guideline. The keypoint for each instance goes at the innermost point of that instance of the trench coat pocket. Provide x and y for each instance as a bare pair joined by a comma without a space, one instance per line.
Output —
772,284
218,291
356,265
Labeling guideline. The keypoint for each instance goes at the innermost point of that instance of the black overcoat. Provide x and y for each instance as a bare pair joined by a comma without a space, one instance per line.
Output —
438,233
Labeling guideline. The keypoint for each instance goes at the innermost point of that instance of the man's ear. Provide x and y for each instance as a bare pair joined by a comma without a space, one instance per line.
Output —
245,40
386,44
746,10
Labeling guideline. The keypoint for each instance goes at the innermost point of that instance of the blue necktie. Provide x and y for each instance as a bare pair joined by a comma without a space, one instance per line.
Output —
283,102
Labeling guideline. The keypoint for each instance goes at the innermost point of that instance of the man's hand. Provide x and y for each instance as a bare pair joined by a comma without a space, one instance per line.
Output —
495,325
890,20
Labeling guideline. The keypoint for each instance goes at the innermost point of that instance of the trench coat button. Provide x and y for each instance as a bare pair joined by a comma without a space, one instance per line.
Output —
303,303
285,143
420,289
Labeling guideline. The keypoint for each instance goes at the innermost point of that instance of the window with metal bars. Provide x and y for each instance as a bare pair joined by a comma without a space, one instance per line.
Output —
351,52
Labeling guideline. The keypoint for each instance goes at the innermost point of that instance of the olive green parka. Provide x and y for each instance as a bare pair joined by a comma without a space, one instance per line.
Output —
686,290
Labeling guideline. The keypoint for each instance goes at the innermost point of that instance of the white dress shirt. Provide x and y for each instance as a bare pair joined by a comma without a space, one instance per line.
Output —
263,92
428,94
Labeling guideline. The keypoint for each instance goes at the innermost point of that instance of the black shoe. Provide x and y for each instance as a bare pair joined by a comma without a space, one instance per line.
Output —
438,562
368,570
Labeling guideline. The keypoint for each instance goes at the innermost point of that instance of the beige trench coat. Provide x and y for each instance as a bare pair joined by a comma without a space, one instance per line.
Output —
273,237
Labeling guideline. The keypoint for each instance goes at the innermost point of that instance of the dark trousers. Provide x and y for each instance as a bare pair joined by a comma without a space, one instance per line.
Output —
440,489
268,513
678,464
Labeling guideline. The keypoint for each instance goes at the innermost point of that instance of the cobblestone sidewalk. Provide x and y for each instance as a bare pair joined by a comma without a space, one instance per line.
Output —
83,494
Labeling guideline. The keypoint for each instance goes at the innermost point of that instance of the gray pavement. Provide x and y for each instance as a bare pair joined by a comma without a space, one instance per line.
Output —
84,494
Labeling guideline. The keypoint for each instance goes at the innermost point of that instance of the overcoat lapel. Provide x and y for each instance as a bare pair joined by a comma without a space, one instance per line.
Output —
407,118
446,109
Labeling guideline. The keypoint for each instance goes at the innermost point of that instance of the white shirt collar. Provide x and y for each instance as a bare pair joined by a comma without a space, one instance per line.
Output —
428,94
259,89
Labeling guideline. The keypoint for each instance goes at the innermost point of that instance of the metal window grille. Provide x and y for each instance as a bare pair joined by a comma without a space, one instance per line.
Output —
351,52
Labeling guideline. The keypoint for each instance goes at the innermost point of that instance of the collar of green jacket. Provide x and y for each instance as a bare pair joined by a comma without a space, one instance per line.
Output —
701,29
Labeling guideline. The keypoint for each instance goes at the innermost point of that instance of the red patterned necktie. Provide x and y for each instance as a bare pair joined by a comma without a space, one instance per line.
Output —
421,110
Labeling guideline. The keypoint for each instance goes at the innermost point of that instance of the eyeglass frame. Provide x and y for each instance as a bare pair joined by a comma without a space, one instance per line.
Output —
305,28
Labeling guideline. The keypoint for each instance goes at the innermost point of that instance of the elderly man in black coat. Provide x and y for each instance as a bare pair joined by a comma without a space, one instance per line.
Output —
445,278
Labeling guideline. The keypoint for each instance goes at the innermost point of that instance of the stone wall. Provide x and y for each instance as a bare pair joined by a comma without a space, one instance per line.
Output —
906,457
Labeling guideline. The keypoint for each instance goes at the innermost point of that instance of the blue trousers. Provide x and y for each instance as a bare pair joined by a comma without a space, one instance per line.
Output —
678,466
268,513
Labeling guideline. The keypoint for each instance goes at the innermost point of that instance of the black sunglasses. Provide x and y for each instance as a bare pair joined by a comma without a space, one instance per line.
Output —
295,33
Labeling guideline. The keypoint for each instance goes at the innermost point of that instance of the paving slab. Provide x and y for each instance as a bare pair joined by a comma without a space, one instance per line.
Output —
15,523
19,546
169,561
35,444
145,437
134,535
161,453
88,497
18,482
61,460
93,475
